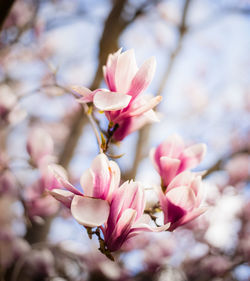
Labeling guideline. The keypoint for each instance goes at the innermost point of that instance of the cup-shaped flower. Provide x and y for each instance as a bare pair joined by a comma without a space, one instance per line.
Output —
123,104
126,217
172,157
90,207
181,202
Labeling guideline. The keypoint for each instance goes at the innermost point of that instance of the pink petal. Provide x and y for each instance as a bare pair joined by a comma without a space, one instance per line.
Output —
188,217
83,91
149,104
193,155
115,179
87,182
143,224
62,179
199,190
125,221
88,211
171,147
129,196
121,230
182,196
152,158
133,197
63,196
182,179
126,69
87,94
111,101
148,228
102,176
110,68
141,120
143,77
169,168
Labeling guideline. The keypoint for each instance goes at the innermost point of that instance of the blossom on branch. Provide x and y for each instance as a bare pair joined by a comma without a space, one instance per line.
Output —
172,157
124,105
181,201
90,207
119,211
126,218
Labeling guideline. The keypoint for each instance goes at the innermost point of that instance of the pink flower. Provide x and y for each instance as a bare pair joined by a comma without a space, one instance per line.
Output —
126,217
172,157
39,203
123,104
40,146
91,207
182,199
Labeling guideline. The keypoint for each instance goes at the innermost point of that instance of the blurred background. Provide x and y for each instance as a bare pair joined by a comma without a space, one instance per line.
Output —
202,49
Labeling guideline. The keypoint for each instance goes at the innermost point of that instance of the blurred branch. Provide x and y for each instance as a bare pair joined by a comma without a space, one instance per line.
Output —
143,136
218,165
4,11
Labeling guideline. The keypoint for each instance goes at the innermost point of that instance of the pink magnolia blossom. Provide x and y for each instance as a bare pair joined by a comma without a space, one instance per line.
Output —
40,146
182,200
172,157
38,201
126,218
124,105
91,207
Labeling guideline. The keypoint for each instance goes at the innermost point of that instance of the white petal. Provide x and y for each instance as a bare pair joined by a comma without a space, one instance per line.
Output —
83,91
88,211
126,69
149,104
62,178
63,196
87,182
111,101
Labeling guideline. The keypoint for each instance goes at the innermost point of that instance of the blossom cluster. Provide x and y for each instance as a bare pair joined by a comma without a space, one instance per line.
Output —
124,104
116,209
